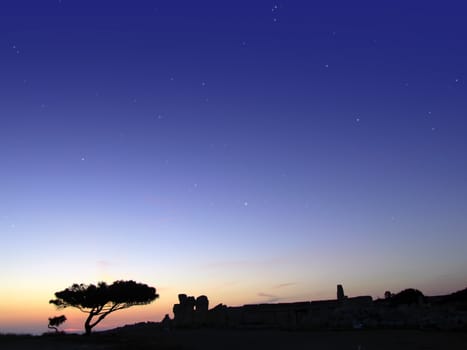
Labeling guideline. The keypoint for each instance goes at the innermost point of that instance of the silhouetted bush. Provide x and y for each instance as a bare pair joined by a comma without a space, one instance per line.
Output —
459,296
408,297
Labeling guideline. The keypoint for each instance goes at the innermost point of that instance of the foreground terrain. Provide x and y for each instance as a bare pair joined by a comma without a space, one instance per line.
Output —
150,338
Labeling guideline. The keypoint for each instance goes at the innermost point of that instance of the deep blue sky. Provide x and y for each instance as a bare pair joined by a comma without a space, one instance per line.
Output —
225,147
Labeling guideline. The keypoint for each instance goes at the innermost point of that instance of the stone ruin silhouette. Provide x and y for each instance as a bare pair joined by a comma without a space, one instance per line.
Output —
190,311
440,312
340,292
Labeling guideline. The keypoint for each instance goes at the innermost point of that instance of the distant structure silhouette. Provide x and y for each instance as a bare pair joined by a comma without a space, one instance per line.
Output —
340,292
190,311
166,323
407,309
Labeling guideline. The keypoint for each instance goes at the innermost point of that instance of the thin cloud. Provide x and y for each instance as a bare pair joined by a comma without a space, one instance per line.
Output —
103,263
284,285
271,298
261,294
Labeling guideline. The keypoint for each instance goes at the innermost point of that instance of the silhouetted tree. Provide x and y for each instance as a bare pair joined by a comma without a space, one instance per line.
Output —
101,300
408,296
55,322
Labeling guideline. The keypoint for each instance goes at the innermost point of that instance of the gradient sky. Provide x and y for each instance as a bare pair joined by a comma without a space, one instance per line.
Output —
252,151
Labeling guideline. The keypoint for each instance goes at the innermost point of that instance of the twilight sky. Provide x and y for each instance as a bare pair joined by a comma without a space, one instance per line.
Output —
252,151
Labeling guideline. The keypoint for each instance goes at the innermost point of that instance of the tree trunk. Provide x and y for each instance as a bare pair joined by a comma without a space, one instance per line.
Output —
87,324
52,327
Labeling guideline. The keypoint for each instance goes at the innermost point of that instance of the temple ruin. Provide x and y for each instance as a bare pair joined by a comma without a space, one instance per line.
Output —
341,313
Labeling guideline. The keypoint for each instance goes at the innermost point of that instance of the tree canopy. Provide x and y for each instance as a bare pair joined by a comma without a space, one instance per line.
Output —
100,300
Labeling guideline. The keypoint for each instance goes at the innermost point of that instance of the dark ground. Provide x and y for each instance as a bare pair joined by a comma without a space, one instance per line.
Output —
244,340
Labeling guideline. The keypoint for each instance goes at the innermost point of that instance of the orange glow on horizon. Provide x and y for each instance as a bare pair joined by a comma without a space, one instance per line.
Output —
29,311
